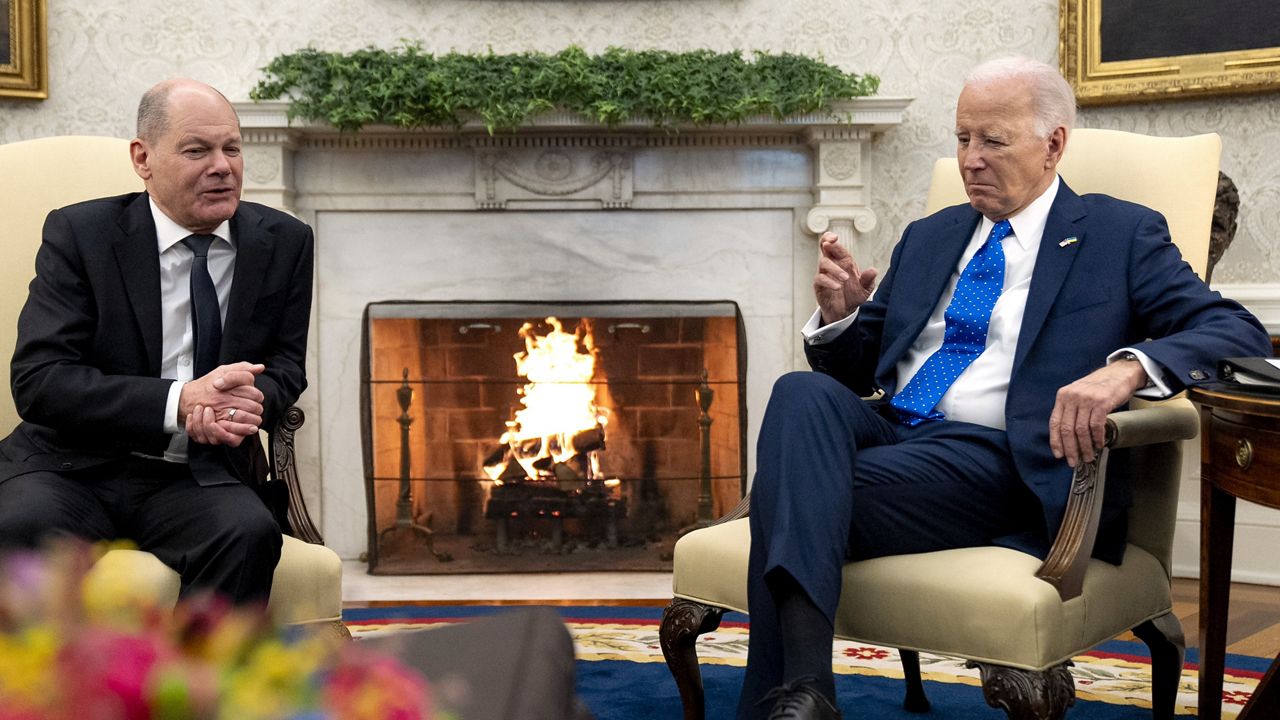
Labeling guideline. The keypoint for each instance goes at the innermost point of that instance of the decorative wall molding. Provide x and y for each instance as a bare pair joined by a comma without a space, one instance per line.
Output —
1257,536
1261,300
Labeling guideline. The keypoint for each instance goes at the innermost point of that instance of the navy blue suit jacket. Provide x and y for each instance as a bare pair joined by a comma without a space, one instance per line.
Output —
1121,284
86,370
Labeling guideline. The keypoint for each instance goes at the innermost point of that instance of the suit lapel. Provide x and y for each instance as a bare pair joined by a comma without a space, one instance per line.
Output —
139,258
253,255
923,279
1052,263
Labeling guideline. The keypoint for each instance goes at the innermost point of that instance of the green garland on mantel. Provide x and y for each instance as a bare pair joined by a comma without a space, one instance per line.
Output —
409,88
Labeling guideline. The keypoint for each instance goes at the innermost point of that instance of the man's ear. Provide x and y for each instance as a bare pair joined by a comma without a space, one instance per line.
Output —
1057,145
140,154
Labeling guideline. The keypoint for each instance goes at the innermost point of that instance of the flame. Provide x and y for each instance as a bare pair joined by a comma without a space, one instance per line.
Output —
559,399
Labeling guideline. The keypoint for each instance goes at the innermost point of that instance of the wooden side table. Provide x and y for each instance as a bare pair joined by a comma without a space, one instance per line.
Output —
1240,458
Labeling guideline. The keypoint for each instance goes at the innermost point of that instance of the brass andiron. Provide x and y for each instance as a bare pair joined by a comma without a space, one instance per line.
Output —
705,396
404,505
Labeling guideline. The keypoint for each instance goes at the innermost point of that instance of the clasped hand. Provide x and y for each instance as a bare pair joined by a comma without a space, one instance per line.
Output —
223,407
840,286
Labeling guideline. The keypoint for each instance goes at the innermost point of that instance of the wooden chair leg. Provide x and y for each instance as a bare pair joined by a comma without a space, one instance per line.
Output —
1163,636
1028,694
914,700
682,622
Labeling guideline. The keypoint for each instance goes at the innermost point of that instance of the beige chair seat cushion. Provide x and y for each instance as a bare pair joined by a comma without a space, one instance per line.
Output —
1023,623
306,588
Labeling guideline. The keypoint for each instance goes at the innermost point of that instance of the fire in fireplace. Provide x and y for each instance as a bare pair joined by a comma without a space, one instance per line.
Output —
547,436
547,465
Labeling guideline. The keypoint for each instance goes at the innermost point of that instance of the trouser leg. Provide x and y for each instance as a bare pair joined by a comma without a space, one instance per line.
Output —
801,509
220,538
943,485
38,506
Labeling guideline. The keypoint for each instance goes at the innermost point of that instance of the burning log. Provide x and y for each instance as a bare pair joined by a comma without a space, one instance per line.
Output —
588,440
552,456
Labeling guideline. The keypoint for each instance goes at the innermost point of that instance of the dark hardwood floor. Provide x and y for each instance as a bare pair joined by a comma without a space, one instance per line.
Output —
1253,621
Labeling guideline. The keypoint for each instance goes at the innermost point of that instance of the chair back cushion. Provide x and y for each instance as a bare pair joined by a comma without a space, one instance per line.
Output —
39,176
1176,176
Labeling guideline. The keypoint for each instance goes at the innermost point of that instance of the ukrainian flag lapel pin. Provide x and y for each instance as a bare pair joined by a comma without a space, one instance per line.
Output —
1069,241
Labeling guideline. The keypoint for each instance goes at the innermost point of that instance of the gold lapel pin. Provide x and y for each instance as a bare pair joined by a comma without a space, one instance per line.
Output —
1069,241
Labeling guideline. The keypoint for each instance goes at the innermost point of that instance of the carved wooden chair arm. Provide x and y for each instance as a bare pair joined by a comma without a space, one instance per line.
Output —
1065,566
284,469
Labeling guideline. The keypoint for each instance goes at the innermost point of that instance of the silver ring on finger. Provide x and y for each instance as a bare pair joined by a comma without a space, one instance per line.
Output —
231,414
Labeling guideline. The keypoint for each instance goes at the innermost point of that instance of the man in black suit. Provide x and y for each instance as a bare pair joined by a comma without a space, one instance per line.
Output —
1002,335
139,421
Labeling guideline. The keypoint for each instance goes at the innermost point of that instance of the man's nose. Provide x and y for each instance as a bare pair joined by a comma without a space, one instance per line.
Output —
973,160
221,164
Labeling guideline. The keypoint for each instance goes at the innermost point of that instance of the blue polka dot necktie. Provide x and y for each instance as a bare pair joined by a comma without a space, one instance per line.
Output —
967,319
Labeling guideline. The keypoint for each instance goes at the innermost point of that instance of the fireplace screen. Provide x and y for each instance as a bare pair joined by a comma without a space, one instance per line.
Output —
521,437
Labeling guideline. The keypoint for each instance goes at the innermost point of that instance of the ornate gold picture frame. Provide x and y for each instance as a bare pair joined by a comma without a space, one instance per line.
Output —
1176,51
24,64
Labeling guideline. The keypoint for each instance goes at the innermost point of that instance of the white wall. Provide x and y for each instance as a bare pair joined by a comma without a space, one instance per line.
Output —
103,54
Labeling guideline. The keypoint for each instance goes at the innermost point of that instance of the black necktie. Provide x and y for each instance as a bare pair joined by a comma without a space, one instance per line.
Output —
206,317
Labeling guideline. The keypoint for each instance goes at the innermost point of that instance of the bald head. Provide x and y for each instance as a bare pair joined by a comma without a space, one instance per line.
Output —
153,109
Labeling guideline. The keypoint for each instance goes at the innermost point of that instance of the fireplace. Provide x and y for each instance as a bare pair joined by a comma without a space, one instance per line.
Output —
702,214
548,436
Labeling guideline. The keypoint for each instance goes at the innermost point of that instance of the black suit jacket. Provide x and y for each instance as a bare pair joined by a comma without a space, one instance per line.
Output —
86,369
1120,283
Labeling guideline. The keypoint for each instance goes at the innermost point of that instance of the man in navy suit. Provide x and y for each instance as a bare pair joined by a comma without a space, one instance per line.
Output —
1001,337
136,423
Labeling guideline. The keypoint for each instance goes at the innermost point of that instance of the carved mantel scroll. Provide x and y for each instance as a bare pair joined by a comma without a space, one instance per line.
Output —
554,174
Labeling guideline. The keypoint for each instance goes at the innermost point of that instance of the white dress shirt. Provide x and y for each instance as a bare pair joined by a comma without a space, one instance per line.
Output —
178,347
978,395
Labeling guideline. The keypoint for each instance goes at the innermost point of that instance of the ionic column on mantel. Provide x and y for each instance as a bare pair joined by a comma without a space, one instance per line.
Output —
840,141
842,169
840,193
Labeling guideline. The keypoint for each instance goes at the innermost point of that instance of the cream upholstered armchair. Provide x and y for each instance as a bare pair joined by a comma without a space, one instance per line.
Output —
1019,620
41,175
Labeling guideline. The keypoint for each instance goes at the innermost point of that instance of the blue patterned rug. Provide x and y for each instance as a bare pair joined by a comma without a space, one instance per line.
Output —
622,675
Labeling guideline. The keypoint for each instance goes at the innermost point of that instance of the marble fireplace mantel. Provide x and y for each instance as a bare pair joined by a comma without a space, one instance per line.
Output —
530,168
563,209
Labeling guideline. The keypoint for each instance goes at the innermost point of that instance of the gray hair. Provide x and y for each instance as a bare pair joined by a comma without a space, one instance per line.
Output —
153,112
1053,101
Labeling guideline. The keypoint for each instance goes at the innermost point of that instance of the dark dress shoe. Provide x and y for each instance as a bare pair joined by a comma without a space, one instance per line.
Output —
800,700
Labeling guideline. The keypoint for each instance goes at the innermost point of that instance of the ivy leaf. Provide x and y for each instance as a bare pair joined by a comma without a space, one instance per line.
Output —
409,88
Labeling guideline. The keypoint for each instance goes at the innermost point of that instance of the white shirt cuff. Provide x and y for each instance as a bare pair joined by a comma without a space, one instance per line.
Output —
1157,390
815,335
171,425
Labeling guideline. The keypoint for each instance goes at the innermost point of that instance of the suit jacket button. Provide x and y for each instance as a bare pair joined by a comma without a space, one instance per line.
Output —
66,466
1198,375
